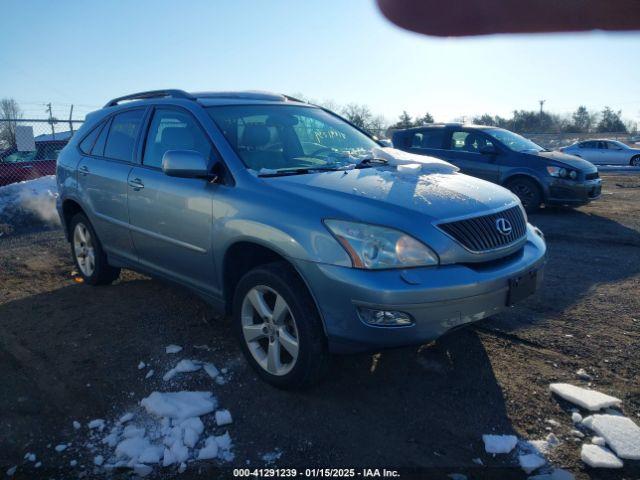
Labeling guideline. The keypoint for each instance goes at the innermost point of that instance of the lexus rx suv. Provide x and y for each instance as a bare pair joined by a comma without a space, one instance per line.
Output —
310,234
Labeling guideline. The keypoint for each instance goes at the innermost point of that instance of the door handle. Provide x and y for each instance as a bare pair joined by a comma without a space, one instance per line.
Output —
26,167
136,184
84,170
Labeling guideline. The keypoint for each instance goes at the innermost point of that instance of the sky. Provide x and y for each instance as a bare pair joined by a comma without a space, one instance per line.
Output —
86,52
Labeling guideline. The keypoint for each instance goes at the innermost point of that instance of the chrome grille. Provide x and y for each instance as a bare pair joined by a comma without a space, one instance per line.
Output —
481,234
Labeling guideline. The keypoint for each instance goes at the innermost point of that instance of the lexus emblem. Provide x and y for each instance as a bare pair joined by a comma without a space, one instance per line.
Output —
503,226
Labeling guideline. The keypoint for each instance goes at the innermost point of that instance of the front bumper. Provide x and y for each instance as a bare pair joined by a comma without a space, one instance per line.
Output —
568,192
438,298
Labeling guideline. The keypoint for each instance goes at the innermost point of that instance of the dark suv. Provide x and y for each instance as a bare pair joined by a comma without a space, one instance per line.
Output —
536,175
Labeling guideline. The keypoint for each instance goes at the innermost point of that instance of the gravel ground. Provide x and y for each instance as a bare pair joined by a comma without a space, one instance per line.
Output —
70,352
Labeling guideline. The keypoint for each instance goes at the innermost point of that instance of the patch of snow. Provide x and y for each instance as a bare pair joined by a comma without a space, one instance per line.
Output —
180,405
182,467
73,463
38,465
598,457
477,461
97,423
457,476
141,365
577,433
428,164
267,171
31,457
271,457
576,417
556,474
583,375
142,470
170,349
620,433
499,443
531,462
183,366
149,374
12,471
126,417
223,417
211,370
60,448
76,425
98,460
210,449
589,399
28,199
553,422
599,441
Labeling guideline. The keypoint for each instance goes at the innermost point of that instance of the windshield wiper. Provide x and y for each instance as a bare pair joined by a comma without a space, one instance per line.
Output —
298,171
368,161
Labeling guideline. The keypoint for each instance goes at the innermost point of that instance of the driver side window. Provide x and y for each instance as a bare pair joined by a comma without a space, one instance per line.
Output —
471,142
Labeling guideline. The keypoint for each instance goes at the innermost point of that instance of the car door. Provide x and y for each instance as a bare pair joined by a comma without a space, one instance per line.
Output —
617,154
171,218
589,151
102,179
464,147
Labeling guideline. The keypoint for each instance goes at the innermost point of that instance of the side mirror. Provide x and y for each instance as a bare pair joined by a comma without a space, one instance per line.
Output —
186,164
488,150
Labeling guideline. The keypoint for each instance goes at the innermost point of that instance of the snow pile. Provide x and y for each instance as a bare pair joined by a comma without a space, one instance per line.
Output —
620,433
599,457
428,164
531,461
170,349
168,432
183,366
30,203
589,399
499,443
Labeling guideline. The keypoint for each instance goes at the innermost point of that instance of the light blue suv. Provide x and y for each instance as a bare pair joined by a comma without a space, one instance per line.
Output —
311,234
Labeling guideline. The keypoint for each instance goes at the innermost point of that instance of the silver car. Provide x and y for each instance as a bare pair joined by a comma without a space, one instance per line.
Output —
605,152
315,238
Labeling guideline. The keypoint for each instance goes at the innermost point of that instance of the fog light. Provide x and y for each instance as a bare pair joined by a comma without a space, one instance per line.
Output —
384,318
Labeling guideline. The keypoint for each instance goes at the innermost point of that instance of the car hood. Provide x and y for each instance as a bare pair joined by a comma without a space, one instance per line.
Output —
391,196
569,160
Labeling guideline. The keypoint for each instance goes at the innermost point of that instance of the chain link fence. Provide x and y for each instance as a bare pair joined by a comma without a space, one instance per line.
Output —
29,147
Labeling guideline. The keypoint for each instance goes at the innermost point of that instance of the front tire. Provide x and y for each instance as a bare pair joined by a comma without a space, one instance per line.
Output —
88,256
279,327
635,161
528,192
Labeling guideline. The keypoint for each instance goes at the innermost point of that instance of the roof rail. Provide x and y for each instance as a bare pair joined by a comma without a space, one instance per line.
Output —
172,93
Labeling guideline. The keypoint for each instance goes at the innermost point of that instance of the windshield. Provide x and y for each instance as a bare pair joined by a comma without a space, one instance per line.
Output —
513,141
279,138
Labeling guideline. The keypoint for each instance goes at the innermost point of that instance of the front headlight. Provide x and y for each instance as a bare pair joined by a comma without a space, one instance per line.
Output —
374,247
562,172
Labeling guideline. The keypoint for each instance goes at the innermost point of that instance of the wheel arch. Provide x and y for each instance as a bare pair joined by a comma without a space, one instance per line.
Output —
247,254
70,207
516,175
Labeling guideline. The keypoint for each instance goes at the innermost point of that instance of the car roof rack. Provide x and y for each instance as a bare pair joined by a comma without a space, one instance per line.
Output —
171,93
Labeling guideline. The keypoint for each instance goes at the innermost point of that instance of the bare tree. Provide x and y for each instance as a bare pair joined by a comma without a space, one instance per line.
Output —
359,115
9,112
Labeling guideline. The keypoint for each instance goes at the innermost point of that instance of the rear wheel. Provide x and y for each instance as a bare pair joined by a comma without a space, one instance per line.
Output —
279,328
528,192
88,255
635,161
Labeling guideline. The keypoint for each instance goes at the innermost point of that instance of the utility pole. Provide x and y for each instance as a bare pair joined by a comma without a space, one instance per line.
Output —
53,132
541,102
71,119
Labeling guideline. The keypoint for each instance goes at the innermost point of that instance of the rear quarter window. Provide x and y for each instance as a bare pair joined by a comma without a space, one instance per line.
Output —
87,143
122,136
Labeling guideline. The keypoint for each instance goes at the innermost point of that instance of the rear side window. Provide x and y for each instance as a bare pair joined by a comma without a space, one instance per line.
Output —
173,130
98,148
87,144
123,134
428,139
471,142
588,145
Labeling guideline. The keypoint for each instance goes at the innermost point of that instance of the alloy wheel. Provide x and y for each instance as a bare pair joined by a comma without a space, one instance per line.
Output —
84,249
524,193
269,330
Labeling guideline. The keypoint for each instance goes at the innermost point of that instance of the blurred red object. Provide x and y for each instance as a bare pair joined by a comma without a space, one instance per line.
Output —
482,17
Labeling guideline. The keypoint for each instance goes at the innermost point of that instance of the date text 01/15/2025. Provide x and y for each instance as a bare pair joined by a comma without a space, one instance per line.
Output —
315,473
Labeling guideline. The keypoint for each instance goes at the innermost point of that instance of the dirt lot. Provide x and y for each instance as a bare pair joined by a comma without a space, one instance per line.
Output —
70,352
